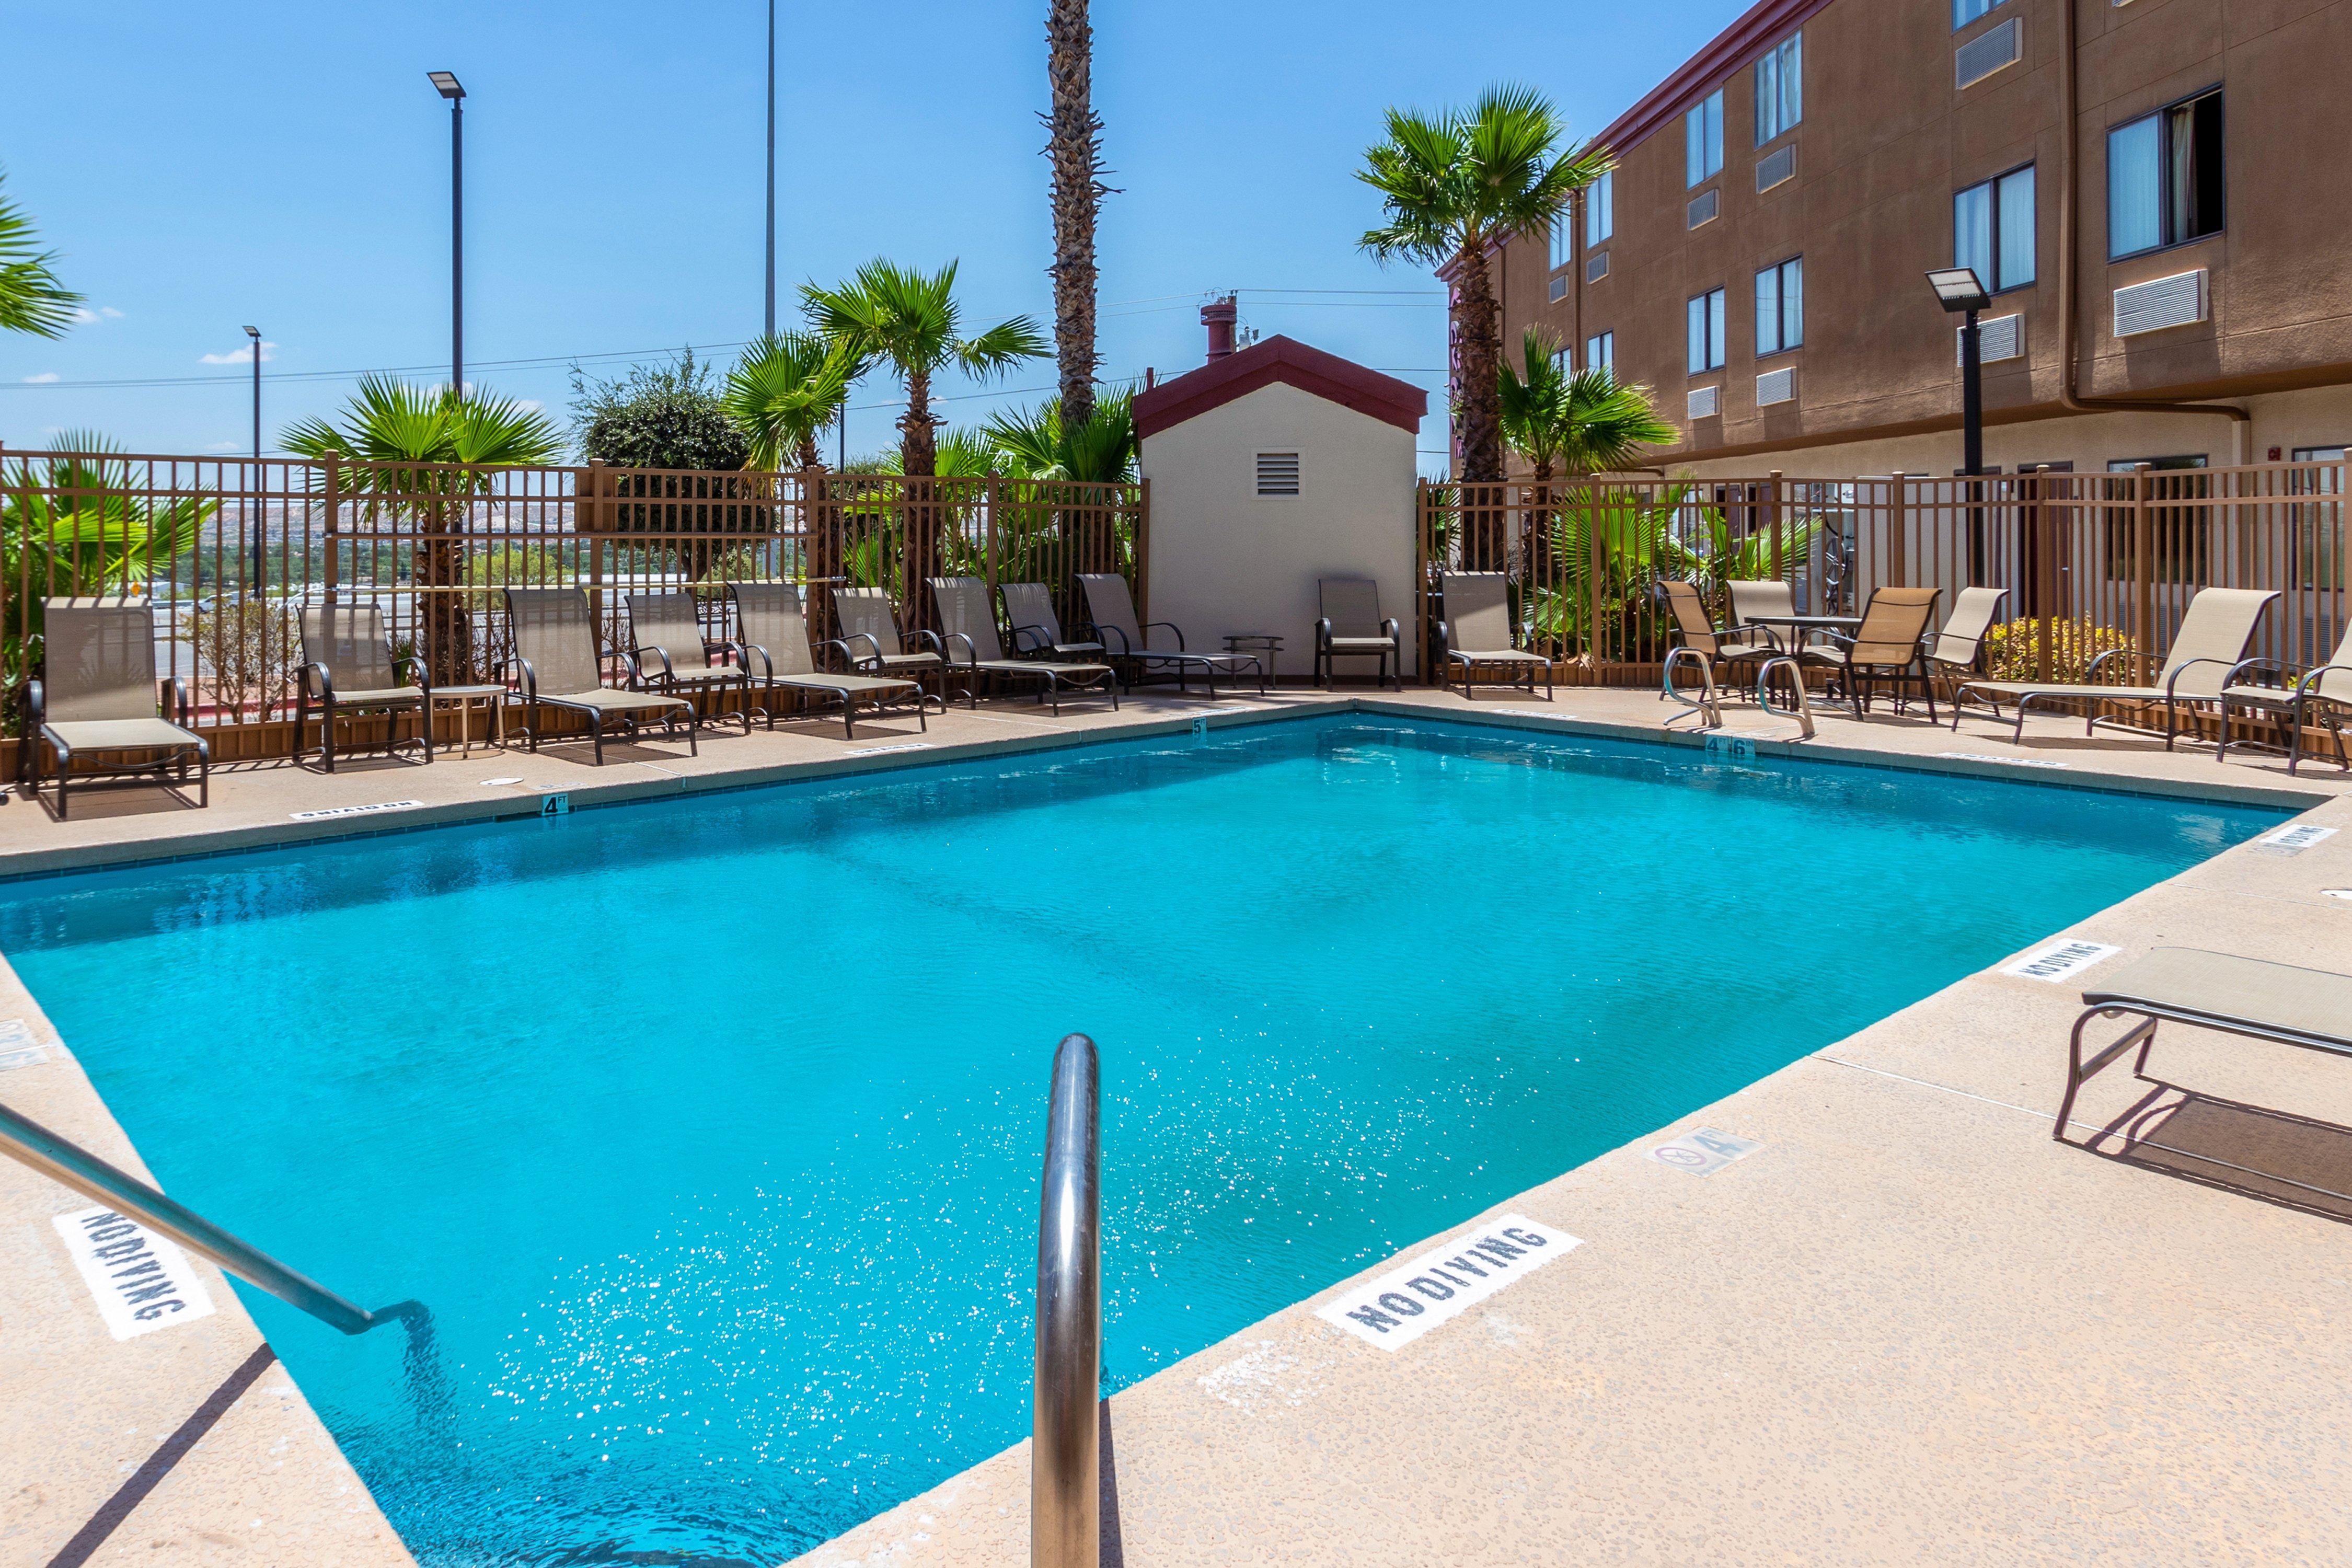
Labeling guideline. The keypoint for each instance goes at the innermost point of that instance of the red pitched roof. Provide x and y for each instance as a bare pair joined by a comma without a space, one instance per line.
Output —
1292,363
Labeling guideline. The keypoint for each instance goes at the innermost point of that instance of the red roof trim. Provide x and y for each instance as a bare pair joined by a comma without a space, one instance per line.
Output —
1732,49
1291,362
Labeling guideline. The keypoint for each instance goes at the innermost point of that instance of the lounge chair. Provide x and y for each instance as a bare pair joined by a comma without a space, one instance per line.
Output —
874,644
673,658
975,649
1353,628
2247,996
2211,642
1958,649
1036,628
557,664
1476,635
1888,646
347,667
1112,609
773,646
2318,693
1736,652
97,693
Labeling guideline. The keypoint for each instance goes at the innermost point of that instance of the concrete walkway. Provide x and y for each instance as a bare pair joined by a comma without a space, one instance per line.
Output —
1906,1325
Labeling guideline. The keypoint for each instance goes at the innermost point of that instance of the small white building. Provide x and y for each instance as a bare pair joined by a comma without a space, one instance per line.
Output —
1270,467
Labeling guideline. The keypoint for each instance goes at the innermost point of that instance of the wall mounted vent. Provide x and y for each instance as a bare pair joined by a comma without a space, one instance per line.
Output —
1702,209
1596,268
1560,288
2151,306
1989,52
1277,473
1777,387
2003,337
1777,168
1704,402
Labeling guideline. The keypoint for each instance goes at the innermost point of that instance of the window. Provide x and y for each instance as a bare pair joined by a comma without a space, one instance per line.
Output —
2164,177
1277,473
1601,353
1993,230
1707,333
1780,88
2318,539
1563,242
1967,11
2176,525
1703,140
1781,307
1601,208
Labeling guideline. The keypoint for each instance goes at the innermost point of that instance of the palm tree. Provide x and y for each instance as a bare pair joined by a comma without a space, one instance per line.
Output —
399,433
1454,184
31,297
1074,142
888,314
785,390
1581,422
1037,443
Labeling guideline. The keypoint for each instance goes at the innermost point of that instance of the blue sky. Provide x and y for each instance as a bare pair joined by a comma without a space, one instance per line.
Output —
202,167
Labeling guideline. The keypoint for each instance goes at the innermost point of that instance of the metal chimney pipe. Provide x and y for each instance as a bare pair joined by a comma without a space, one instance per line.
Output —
1219,316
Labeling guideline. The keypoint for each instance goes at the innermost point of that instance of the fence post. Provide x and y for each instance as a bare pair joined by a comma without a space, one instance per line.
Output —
600,482
2144,551
334,552
1773,523
1897,554
1143,550
995,494
1592,554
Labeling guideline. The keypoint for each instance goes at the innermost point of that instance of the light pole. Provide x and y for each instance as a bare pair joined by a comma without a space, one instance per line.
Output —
1963,293
260,516
445,84
771,168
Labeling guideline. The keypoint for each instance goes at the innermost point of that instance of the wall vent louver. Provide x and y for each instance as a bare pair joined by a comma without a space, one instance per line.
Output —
1704,402
2003,337
1987,52
1596,268
1778,168
2151,306
1560,289
1777,387
1702,209
1277,473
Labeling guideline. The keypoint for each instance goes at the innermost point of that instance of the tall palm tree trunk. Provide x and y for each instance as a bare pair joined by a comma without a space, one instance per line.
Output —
1478,410
449,627
920,515
1074,143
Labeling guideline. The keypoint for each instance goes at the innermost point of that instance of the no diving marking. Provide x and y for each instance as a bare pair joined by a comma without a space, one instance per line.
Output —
1399,1306
2066,957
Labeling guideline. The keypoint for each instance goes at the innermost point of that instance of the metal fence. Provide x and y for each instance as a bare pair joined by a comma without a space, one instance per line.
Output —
2091,561
230,550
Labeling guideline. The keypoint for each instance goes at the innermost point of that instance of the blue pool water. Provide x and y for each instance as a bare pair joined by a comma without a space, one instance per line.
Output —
710,1130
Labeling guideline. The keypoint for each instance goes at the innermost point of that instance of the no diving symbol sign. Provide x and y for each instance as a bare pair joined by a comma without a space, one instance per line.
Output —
1702,1151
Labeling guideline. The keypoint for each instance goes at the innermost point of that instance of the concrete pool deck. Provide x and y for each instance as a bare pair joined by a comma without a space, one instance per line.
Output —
1908,1325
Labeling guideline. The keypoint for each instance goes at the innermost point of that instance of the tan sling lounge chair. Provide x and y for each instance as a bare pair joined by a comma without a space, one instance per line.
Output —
1036,628
2322,694
875,645
1353,628
1958,648
673,658
1476,635
1737,653
556,662
1888,647
975,649
2214,634
347,667
1112,609
773,646
97,693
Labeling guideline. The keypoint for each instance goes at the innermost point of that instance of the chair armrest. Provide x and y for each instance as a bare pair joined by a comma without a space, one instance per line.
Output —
1124,649
2246,666
2091,671
416,670
1171,626
1322,630
851,654
1391,629
313,678
1445,637
970,650
1028,640
528,677
37,705
850,660
182,710
920,635
744,652
2309,680
637,670
635,657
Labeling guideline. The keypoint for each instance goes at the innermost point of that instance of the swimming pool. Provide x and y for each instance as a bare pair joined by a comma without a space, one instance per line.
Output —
710,1129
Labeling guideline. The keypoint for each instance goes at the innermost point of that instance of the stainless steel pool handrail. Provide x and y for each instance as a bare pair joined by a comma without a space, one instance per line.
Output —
65,1162
1065,1442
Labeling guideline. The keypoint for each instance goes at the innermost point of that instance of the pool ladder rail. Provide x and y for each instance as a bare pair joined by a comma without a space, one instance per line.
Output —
1706,702
68,1162
1066,1437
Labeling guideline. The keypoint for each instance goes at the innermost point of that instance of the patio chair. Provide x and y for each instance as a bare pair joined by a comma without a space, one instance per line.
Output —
1958,649
1888,646
347,667
1112,609
2210,644
1036,629
773,646
1737,652
974,650
2246,996
1476,635
2320,693
557,664
97,693
673,658
873,643
1353,628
